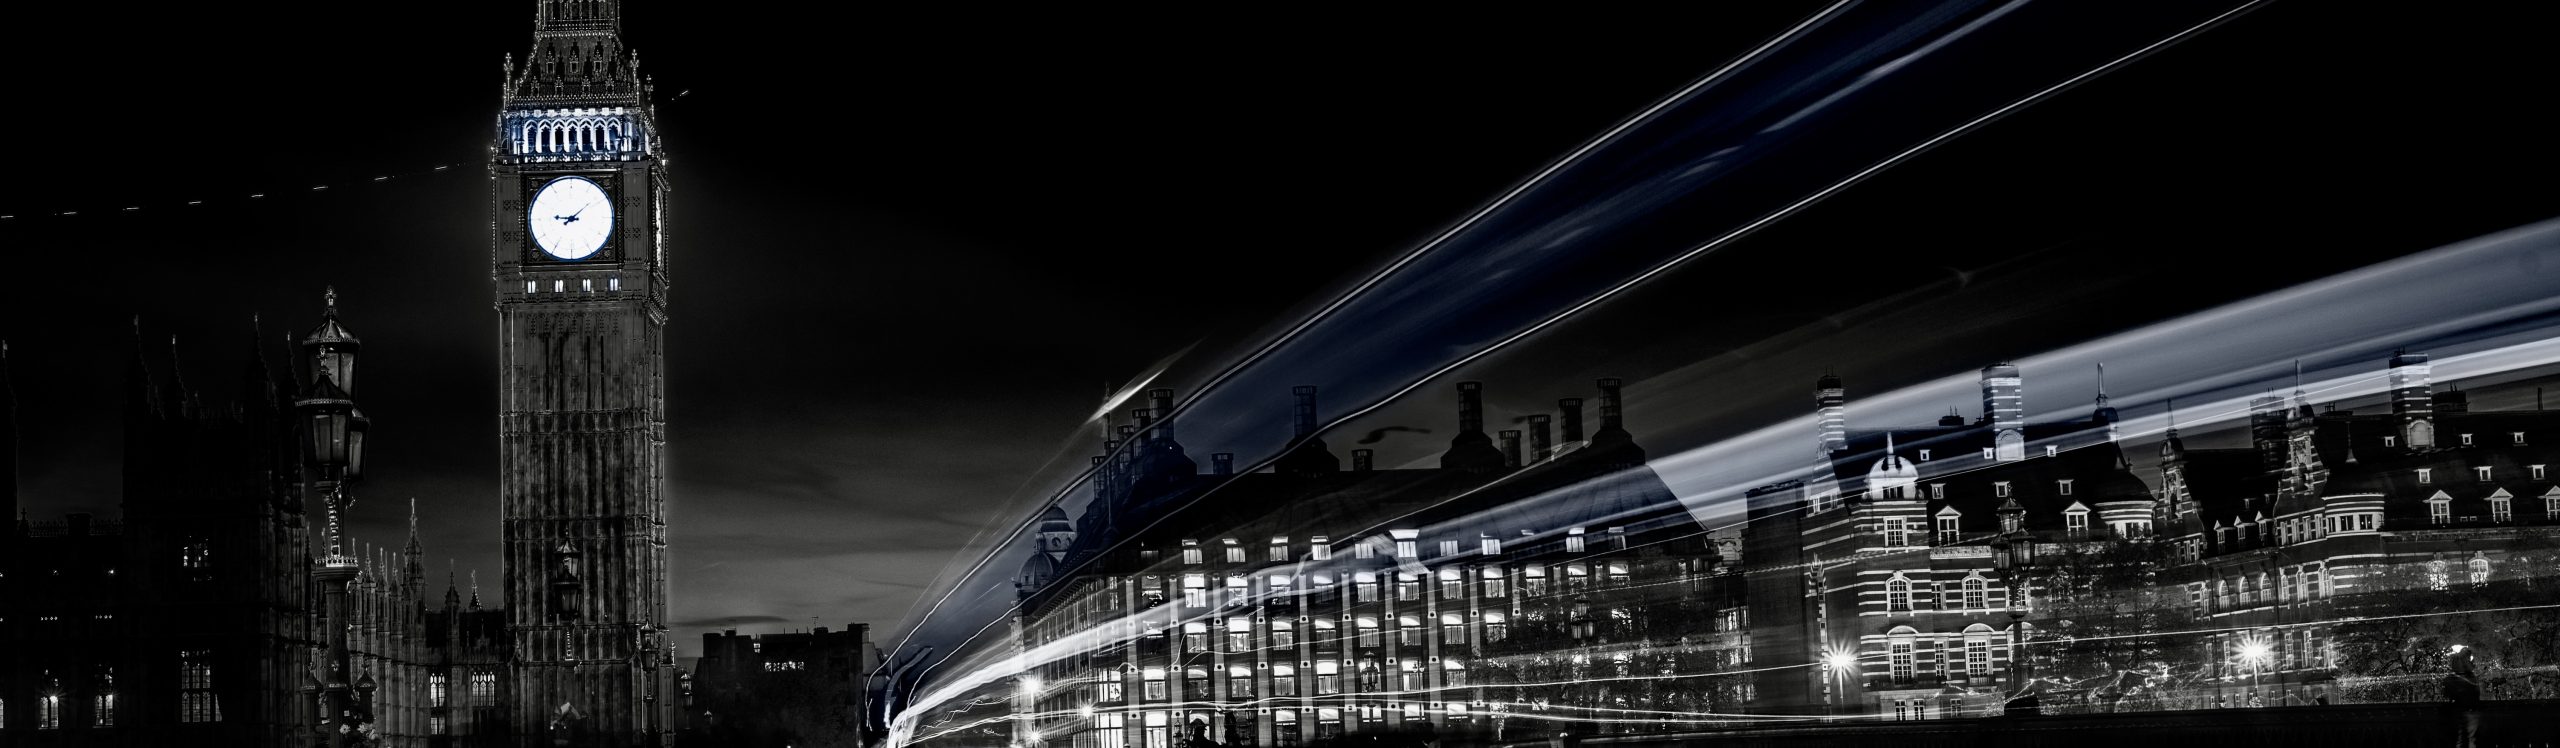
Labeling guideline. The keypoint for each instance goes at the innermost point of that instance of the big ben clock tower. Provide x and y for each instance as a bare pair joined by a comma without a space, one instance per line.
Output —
579,269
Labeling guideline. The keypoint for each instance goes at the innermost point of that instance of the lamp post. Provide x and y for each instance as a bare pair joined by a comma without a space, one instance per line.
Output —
2012,555
334,439
2257,654
1836,667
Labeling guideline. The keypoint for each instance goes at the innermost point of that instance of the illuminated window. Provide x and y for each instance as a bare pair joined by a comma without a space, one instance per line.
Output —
613,283
1284,635
484,689
1195,683
437,725
1368,630
1284,679
1497,626
1493,582
2051,450
1894,534
1239,634
1977,650
1489,545
1947,527
1235,554
1408,587
2480,473
1328,678
2076,523
49,712
1364,587
1924,455
1410,678
1191,552
2426,475
2501,507
1154,679
1195,588
436,689
1239,682
2440,509
1406,547
1195,636
1453,584
2466,440
1409,631
2516,438
1573,541
196,702
102,705
1318,549
1453,629
1533,578
1898,657
1284,724
1448,548
1279,549
1937,491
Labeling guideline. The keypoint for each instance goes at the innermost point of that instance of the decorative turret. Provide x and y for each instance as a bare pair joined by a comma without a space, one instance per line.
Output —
1471,449
2105,416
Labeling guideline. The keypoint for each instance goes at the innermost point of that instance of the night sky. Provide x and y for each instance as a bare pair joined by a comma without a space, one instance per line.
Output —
914,248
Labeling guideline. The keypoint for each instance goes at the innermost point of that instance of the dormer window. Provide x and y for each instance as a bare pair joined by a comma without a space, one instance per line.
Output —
2075,521
2000,488
1191,551
1947,526
2439,509
2537,472
1893,493
1937,490
2391,441
1235,553
2466,440
2482,473
1573,541
2063,486
2426,475
2516,437
1924,454
2052,449
1989,454
2502,506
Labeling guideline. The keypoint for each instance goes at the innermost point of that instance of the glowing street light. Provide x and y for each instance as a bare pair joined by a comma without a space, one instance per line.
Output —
1030,686
2258,655
1836,667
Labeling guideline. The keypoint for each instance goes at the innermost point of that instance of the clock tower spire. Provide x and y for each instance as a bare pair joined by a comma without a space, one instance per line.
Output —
578,269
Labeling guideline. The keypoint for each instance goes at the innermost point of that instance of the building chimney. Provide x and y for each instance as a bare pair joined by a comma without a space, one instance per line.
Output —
1572,409
1510,448
1471,449
2004,409
1541,441
1612,412
1160,404
1223,463
1830,414
1471,407
1305,416
1360,460
2413,399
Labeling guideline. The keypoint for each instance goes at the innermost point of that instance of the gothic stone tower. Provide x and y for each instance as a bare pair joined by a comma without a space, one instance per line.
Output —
580,274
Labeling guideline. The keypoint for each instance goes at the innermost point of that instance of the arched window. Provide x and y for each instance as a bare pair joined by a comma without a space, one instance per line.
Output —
1898,653
1977,594
1977,650
1897,595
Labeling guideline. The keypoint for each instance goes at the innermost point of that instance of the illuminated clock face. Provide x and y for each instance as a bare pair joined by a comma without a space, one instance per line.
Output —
570,218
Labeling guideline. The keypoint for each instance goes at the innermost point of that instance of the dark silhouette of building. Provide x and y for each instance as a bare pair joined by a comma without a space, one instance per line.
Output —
808,689
194,618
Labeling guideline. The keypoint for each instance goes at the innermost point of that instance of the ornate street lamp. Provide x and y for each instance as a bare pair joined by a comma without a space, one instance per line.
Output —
2013,554
334,432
